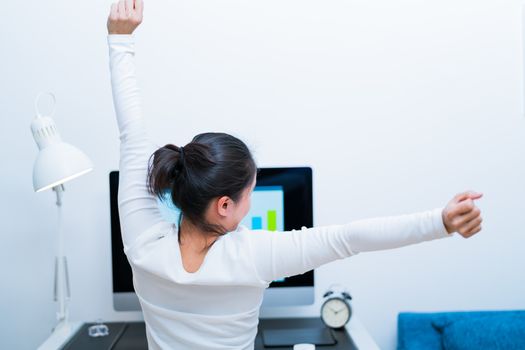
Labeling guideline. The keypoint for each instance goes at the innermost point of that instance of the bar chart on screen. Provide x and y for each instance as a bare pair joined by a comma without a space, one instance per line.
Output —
267,209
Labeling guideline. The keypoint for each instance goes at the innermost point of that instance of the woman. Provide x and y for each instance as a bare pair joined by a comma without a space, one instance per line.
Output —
200,283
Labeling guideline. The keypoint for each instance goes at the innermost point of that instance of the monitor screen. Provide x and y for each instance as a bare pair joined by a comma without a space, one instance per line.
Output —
281,201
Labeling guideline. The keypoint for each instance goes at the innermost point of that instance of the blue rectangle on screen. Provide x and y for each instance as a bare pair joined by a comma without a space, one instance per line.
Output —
256,223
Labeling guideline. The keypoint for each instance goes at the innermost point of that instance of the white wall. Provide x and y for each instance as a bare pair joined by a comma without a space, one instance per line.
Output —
397,105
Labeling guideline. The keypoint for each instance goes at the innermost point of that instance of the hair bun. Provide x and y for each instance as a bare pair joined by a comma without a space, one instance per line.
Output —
177,162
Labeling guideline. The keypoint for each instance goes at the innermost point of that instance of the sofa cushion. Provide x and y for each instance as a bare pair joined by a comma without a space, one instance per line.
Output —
487,330
415,332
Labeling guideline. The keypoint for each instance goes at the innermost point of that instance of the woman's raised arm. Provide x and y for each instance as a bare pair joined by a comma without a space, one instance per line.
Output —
138,208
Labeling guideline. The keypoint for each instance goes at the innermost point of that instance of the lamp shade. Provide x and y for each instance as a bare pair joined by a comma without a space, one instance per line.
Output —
57,161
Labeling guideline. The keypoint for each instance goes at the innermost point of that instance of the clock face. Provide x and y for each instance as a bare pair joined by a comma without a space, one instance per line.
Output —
335,312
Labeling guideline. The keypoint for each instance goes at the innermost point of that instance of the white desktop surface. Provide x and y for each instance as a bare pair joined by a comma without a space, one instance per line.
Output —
60,336
360,335
355,328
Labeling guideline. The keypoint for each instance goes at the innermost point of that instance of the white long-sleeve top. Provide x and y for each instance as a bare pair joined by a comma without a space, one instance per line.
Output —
217,307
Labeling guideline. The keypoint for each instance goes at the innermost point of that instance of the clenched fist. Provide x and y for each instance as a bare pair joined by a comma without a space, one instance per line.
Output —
125,16
461,214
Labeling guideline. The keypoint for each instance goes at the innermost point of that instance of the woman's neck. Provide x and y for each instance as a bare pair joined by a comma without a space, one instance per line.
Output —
193,238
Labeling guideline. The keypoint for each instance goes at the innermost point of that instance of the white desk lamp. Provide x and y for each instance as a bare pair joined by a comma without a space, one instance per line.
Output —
57,162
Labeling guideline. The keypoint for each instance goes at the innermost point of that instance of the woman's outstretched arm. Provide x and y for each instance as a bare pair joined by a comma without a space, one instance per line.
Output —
283,254
137,207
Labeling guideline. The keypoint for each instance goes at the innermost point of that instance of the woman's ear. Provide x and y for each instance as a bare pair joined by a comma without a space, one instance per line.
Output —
224,206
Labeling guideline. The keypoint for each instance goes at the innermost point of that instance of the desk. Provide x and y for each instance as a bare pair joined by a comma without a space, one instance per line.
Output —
355,329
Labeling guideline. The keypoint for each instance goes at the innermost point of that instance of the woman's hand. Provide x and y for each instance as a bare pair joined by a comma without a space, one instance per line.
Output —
125,16
461,214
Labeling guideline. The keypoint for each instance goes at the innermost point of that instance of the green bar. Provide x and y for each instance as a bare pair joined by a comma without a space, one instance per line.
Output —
272,220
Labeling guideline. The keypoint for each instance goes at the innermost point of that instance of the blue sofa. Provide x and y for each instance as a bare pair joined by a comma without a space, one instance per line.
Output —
461,330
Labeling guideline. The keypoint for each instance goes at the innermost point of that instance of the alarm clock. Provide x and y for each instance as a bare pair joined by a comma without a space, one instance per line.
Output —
336,310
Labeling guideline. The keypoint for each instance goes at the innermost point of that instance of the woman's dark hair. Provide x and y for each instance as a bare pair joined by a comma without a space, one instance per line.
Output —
210,166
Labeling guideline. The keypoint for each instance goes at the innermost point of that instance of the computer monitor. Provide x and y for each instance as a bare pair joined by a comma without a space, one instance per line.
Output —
281,201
